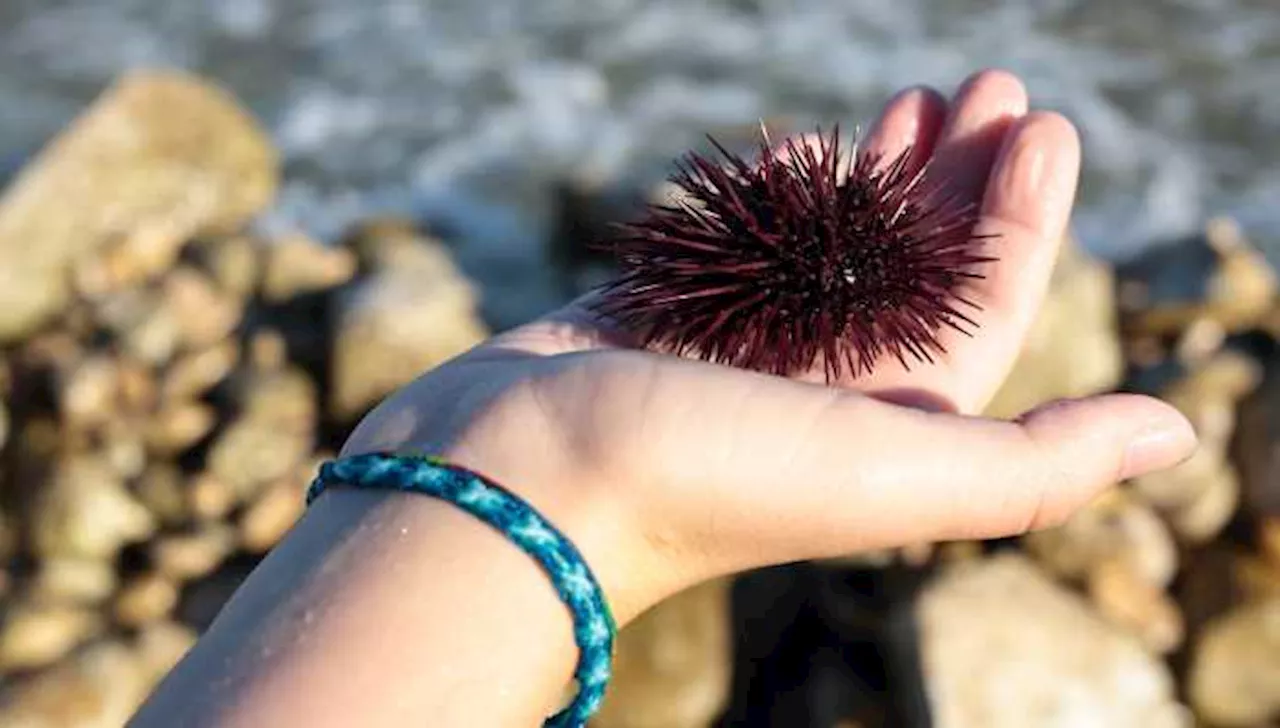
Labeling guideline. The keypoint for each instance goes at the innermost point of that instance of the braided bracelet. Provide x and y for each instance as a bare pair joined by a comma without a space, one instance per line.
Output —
593,625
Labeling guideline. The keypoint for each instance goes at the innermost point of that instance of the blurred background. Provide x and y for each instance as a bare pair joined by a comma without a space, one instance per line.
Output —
218,215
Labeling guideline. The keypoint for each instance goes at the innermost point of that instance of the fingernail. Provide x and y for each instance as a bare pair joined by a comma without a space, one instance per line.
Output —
1023,174
1163,444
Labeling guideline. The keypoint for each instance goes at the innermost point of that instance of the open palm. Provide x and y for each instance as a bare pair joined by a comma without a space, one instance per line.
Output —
728,469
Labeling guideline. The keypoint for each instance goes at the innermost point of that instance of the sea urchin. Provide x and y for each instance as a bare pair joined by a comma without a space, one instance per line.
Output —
776,264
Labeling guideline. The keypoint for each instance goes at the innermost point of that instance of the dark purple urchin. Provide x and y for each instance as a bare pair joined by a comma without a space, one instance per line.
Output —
773,265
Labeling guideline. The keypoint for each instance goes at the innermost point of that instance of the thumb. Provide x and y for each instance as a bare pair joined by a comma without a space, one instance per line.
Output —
819,473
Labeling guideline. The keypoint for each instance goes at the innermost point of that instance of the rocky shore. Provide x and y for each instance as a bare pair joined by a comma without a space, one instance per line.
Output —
170,378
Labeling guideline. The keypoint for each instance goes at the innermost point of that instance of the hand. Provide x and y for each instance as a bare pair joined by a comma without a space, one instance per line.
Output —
667,471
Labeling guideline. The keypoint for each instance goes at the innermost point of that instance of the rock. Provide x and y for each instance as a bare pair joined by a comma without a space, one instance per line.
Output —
120,445
193,374
65,580
131,260
297,264
1257,447
1268,535
1217,275
1210,393
233,263
162,491
137,386
160,645
34,636
210,498
252,452
1202,519
1234,679
147,598
1072,349
205,314
146,328
672,666
4,424
285,397
87,512
267,519
1202,339
1115,527
1002,645
159,154
414,312
1177,488
1255,578
89,392
178,426
187,556
1136,606
99,688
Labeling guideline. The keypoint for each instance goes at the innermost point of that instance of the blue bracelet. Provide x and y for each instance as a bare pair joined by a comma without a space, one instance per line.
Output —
593,625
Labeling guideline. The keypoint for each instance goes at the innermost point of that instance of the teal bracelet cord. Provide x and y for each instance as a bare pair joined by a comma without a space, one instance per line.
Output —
593,625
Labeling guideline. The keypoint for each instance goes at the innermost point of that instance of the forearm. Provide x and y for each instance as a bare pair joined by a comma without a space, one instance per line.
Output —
379,609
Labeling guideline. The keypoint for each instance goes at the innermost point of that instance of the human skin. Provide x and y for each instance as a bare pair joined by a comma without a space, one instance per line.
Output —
388,609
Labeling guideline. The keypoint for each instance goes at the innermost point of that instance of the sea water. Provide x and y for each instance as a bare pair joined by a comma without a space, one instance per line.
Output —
467,109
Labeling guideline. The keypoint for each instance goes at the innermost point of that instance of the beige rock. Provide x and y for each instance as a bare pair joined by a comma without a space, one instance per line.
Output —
233,263
1073,348
193,374
148,330
285,397
1255,578
210,498
147,598
121,446
130,260
1116,527
1201,340
160,645
100,687
268,518
137,387
414,313
66,580
1003,645
1202,519
157,152
1209,395
162,491
1136,606
206,315
89,392
1258,448
178,426
1174,489
34,636
297,264
1218,276
1234,678
192,555
87,512
253,452
673,665
1268,534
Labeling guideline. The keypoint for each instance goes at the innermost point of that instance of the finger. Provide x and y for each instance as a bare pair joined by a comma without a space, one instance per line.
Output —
911,120
774,468
982,112
1025,210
